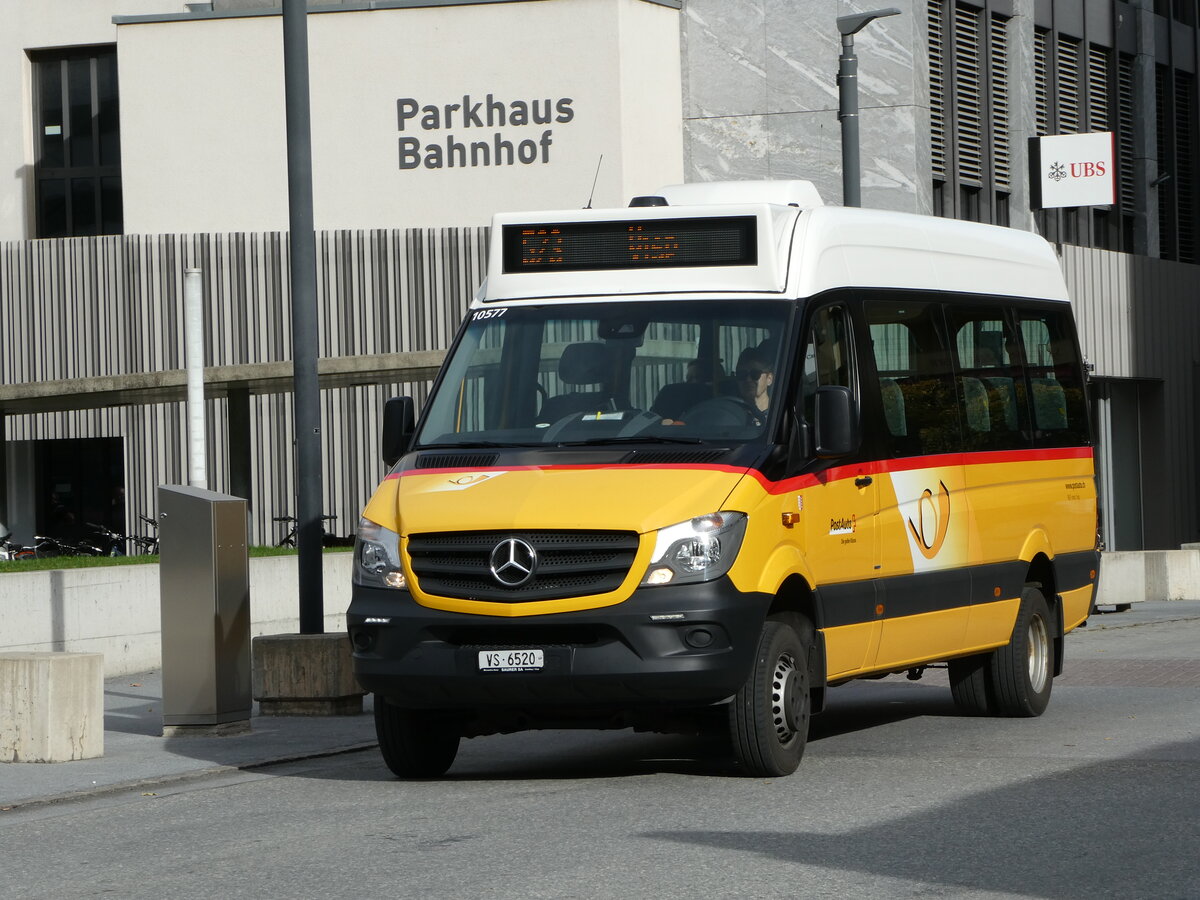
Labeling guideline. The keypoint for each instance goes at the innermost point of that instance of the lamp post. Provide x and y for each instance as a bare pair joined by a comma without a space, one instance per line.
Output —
303,252
847,79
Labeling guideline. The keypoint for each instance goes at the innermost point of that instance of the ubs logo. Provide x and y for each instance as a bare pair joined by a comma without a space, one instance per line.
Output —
929,544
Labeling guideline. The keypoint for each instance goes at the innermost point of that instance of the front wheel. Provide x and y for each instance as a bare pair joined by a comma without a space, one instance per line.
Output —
415,743
1023,672
768,718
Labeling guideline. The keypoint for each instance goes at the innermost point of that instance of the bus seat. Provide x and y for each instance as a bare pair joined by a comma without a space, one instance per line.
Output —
673,399
580,364
975,399
1003,394
893,407
1049,404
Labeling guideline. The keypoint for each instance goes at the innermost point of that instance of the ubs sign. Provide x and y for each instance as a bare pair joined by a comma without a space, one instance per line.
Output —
479,131
1073,170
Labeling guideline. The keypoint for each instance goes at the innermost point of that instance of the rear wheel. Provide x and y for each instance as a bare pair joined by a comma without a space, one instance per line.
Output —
1022,674
415,743
768,718
969,684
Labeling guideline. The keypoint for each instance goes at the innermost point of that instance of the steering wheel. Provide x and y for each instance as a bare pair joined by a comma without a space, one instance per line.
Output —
723,412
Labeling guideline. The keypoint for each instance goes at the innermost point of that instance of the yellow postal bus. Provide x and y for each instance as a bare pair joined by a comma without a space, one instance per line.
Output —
700,459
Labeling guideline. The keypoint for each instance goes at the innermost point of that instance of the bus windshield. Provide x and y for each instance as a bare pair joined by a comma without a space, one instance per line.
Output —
610,372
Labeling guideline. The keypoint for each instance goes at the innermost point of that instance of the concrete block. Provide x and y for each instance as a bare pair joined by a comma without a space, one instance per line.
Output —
1183,575
305,675
1122,578
51,706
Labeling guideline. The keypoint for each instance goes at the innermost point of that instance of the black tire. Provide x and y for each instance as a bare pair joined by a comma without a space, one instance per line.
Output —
415,743
768,717
1022,674
969,684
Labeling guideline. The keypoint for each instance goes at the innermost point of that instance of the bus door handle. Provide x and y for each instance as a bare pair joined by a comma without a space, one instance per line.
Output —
862,481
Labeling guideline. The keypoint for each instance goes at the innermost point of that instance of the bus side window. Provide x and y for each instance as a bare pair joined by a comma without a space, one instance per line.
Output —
1055,378
995,415
916,387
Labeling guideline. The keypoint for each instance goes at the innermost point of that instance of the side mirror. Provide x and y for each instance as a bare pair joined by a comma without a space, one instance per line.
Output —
836,423
399,423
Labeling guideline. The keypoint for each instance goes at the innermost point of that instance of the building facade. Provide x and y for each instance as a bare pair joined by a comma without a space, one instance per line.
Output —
146,139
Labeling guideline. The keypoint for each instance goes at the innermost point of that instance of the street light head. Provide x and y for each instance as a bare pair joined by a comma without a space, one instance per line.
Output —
848,25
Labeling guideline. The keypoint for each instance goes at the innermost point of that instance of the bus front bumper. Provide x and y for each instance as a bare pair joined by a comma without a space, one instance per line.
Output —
687,645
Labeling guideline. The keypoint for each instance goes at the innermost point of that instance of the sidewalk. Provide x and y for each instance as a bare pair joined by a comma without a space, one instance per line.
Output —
135,753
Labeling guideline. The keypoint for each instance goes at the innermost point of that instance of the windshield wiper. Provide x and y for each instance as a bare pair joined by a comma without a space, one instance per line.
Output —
636,439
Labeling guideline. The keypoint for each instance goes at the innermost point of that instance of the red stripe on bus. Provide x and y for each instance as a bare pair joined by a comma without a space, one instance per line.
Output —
836,473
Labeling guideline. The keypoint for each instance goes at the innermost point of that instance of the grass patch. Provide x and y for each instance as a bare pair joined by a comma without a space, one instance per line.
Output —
73,562
91,562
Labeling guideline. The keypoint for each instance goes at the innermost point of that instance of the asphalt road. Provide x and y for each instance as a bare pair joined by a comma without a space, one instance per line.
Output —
897,797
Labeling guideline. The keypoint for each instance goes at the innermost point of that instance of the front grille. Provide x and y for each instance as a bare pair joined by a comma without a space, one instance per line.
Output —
519,635
570,564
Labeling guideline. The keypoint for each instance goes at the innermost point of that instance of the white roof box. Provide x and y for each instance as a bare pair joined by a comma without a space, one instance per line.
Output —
781,193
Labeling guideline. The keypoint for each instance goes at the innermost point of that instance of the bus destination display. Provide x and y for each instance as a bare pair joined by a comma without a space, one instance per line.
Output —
633,244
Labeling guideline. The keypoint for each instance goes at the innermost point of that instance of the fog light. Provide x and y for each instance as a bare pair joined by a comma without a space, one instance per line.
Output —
699,638
362,640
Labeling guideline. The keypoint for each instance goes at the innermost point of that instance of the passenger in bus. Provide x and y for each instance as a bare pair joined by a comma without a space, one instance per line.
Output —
673,399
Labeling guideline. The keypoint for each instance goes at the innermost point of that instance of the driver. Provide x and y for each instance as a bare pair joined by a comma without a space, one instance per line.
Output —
754,379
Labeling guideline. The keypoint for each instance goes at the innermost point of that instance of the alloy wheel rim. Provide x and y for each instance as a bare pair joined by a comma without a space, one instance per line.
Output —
1039,654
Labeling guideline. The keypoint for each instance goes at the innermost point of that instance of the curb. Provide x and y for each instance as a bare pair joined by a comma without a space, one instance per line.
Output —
194,775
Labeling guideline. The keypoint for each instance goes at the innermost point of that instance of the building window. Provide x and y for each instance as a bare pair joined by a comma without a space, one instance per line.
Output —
1185,160
971,152
77,142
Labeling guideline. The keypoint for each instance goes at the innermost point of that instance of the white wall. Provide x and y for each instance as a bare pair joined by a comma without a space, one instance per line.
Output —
203,130
40,25
115,610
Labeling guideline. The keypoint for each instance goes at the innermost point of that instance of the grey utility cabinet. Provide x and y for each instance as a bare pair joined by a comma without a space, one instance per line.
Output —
204,582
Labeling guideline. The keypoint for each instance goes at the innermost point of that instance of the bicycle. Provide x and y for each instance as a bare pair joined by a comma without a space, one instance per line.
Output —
147,543
46,547
289,539
11,551
111,543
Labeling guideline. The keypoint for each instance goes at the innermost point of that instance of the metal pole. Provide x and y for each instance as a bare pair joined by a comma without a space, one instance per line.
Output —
302,249
193,339
847,80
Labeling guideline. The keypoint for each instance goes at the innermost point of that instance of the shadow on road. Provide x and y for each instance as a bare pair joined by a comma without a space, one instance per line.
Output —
1092,831
575,755
134,714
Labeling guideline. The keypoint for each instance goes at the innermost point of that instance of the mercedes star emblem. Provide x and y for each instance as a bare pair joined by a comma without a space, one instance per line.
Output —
513,562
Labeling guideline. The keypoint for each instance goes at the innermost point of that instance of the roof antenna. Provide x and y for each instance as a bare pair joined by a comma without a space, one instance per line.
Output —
594,180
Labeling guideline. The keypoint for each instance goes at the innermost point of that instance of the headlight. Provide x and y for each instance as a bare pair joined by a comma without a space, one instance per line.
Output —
699,549
377,557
